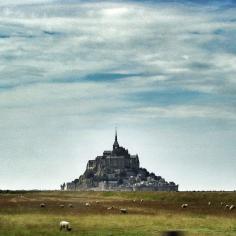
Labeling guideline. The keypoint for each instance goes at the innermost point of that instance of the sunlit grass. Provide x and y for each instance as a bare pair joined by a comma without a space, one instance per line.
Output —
40,224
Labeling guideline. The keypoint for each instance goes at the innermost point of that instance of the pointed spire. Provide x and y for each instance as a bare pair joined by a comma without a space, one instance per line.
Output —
116,135
116,144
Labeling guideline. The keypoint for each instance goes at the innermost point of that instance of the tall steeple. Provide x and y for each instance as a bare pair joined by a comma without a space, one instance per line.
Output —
116,144
116,136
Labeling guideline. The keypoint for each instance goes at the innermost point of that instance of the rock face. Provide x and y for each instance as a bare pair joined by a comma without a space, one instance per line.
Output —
119,171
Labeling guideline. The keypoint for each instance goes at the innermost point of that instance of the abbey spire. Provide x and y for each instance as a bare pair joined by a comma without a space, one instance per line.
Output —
116,144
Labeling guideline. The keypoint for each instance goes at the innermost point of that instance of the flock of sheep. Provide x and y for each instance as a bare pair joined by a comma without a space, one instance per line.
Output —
65,225
226,206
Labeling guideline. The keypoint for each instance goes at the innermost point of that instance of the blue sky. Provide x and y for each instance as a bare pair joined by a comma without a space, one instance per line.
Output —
162,71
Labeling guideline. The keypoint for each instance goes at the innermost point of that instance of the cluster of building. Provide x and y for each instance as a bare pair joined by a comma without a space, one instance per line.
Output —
117,170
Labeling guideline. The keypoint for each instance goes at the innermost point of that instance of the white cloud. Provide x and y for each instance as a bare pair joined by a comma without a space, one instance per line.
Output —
188,112
23,2
48,48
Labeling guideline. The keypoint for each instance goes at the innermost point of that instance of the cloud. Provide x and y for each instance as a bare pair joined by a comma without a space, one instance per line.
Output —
141,53
72,66
188,112
24,2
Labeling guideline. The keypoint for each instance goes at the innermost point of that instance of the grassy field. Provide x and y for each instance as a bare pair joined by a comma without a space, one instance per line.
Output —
21,214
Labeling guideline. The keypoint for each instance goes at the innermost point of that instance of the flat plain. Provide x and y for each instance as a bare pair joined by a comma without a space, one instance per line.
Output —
148,213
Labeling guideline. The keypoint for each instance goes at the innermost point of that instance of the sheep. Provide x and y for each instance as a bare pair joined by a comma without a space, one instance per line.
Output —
65,225
97,202
110,208
185,205
62,206
227,206
42,205
87,204
209,203
232,207
141,200
221,203
134,201
123,210
70,205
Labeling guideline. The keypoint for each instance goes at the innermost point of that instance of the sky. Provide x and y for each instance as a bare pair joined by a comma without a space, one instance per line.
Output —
162,72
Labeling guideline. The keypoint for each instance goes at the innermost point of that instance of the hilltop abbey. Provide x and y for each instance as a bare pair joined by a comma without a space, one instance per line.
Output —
118,170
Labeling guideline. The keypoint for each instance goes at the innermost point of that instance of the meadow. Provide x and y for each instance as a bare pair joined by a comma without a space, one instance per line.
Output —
21,214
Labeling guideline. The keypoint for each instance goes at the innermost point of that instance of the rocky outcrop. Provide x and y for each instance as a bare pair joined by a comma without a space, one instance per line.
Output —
120,171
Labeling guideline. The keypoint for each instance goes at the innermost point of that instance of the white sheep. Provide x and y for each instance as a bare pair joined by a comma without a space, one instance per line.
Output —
209,203
141,200
185,205
62,206
110,208
87,204
70,205
232,207
65,225
123,210
227,206
42,205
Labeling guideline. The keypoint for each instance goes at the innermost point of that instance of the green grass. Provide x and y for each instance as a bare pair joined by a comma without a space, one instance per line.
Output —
37,224
20,214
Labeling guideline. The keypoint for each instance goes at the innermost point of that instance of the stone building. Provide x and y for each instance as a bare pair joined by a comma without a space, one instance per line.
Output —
119,171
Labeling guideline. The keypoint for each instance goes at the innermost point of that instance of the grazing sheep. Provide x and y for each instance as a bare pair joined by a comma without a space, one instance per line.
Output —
62,206
134,201
123,210
232,207
209,203
65,225
227,206
97,202
221,203
185,205
42,205
70,205
87,204
110,208
141,200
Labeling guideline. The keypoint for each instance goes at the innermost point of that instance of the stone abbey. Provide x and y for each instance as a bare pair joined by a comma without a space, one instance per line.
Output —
117,170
